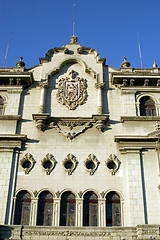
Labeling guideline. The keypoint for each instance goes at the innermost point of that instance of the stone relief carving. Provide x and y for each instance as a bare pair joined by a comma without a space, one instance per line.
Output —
70,135
113,164
70,163
72,91
72,124
27,163
91,164
48,163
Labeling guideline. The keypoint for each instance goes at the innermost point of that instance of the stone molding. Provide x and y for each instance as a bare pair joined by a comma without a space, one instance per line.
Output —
11,141
10,117
141,232
140,118
135,142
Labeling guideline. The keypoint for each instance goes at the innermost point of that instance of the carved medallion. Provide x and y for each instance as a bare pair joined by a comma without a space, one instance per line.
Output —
71,91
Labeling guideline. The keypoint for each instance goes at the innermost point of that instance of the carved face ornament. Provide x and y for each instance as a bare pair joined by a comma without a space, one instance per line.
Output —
71,91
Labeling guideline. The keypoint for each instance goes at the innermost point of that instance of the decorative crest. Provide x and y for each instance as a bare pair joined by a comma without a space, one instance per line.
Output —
71,91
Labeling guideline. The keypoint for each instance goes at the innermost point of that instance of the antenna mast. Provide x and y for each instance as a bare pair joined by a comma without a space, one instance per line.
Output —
139,49
74,18
7,50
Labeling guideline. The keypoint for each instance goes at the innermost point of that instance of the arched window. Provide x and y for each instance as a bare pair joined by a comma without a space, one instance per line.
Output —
22,209
90,209
45,209
67,210
113,209
147,107
1,106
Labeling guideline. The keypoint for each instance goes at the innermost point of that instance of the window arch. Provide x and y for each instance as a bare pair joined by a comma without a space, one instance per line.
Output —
90,209
45,209
67,209
147,107
1,105
22,209
113,209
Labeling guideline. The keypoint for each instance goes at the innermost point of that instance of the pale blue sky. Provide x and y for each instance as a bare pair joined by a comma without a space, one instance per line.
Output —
109,26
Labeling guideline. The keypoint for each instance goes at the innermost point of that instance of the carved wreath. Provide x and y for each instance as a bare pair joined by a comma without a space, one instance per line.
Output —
71,91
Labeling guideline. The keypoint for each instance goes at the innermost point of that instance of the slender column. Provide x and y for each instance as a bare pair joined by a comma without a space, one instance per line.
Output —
99,87
79,212
43,86
138,108
13,212
101,212
33,213
56,212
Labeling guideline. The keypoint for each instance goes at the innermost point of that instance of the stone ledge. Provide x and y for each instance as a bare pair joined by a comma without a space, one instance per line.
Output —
140,118
10,117
141,232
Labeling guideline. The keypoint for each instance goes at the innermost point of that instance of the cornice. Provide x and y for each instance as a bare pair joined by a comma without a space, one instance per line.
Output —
11,142
14,77
139,118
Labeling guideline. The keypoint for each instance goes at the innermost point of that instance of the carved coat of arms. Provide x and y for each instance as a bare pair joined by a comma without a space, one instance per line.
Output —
71,91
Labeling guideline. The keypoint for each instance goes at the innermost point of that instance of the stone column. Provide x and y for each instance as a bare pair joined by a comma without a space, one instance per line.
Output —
56,212
99,87
33,211
101,212
13,210
43,87
138,108
79,212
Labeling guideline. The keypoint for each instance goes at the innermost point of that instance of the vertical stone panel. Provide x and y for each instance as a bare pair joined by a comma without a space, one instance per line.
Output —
135,191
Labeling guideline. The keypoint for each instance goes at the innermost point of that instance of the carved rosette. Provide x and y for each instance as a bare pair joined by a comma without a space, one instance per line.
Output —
27,163
70,163
72,91
113,164
91,164
48,163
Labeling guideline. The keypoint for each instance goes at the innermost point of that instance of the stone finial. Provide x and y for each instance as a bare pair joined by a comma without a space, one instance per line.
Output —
73,39
125,63
154,64
20,63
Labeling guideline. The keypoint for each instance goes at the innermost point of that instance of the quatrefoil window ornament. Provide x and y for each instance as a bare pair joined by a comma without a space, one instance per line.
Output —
70,163
27,163
113,164
48,163
91,164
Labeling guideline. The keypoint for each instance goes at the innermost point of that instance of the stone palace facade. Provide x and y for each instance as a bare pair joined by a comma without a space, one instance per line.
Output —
79,148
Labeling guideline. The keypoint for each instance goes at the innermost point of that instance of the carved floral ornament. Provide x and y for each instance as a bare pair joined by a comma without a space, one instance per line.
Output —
27,163
69,163
91,164
48,163
72,91
113,164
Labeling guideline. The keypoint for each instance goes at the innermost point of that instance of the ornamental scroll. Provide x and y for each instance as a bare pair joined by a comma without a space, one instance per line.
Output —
71,91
